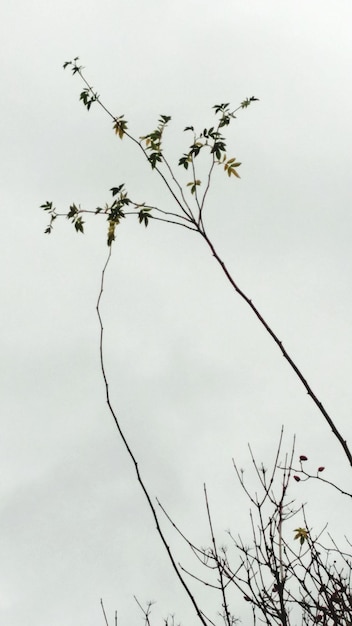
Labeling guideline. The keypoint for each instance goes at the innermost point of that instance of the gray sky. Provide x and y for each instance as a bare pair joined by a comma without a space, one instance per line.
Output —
192,375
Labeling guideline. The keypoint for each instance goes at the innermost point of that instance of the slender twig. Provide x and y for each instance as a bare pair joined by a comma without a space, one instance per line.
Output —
160,219
130,453
181,217
227,615
308,476
150,217
284,352
195,188
197,551
200,580
189,210
146,612
103,609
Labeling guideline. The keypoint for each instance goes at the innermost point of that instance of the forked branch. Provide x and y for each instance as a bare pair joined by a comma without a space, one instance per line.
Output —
151,146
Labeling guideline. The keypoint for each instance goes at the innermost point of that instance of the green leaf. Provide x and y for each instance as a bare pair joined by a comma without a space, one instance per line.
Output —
143,216
247,102
79,225
221,107
218,148
88,97
225,120
196,148
48,206
185,160
116,211
116,190
72,212
154,158
165,119
193,185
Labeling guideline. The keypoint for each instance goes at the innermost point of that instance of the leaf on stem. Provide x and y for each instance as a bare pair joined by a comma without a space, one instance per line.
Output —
154,158
230,167
301,534
143,216
247,102
116,190
88,97
120,126
193,185
218,148
79,225
47,206
185,160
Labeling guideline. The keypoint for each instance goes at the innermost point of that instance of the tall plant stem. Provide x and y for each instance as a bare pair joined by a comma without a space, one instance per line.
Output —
131,455
281,347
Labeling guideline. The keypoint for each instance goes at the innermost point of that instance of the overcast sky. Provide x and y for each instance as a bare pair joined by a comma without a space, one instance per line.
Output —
193,376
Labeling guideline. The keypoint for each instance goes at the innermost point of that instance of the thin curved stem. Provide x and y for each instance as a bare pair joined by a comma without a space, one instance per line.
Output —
189,210
130,453
227,616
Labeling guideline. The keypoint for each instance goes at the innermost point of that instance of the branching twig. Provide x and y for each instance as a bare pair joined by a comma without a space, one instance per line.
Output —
197,224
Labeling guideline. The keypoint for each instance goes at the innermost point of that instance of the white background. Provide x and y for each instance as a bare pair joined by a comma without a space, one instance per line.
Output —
193,376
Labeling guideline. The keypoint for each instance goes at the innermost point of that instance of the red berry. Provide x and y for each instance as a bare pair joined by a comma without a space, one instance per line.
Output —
321,468
303,457
297,478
